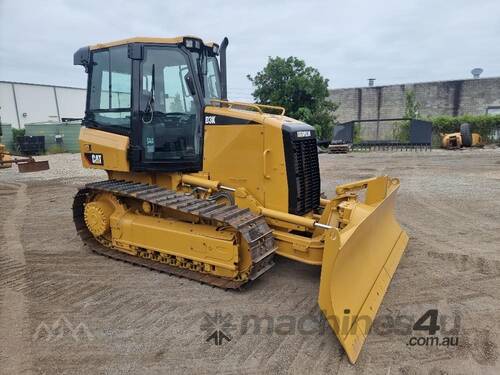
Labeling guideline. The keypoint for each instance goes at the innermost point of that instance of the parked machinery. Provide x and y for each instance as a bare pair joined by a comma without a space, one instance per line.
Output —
212,190
464,138
5,157
24,164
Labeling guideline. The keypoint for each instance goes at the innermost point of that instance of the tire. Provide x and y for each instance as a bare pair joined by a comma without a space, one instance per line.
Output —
466,134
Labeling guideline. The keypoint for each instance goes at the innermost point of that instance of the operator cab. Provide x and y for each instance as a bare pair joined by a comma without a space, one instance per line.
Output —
154,90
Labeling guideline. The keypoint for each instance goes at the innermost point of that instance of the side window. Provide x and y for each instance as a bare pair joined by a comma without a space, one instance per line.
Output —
110,91
212,82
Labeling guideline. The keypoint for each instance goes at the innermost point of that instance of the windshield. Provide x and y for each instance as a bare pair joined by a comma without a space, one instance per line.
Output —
207,68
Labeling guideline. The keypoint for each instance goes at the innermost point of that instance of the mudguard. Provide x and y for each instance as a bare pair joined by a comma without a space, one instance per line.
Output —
359,261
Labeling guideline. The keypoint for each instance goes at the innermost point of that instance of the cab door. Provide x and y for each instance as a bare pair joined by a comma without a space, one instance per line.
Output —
167,125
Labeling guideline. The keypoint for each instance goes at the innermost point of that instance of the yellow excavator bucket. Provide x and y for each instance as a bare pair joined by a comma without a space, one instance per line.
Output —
359,261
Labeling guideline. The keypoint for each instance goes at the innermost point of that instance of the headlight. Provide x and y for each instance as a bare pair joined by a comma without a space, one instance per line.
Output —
193,43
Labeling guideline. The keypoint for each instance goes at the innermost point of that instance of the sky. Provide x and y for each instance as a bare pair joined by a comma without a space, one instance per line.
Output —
347,41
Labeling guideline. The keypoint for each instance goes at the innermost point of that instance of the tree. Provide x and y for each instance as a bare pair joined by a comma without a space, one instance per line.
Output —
411,105
300,89
401,131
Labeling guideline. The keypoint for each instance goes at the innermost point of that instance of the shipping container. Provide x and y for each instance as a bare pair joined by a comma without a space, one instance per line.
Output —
59,136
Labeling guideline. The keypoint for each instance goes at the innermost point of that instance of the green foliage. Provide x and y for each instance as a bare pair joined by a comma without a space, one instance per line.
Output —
300,89
17,133
483,124
357,133
401,130
412,107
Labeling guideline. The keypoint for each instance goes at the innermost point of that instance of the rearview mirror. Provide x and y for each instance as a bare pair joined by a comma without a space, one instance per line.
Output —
190,84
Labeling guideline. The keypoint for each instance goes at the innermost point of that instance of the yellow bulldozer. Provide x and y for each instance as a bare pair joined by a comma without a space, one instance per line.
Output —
463,138
212,190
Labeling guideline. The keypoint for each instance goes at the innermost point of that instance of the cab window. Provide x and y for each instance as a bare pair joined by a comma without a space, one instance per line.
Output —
170,114
110,89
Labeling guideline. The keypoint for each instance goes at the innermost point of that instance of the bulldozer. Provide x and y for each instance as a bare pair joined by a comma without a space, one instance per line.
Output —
213,190
464,138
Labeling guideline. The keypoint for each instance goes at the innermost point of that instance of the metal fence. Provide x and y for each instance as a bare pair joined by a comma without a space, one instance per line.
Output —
385,134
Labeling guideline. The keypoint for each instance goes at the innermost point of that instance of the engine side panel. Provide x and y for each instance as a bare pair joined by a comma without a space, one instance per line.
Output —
245,149
104,150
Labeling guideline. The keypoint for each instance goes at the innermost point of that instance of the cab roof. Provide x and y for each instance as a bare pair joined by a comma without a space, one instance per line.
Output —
140,39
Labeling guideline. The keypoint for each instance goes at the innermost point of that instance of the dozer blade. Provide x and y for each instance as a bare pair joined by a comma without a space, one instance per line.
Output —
359,261
33,166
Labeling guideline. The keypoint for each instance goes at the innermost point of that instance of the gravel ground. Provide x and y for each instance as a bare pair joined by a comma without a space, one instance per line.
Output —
65,310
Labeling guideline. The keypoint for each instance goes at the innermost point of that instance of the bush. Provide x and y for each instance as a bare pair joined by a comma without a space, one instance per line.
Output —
17,133
483,124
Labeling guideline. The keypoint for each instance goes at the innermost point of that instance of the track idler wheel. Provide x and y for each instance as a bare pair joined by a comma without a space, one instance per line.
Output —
97,216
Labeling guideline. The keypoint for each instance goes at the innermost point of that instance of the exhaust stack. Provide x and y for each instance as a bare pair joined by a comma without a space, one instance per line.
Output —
223,69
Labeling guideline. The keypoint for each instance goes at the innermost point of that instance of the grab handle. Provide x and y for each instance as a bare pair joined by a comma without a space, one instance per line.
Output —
266,151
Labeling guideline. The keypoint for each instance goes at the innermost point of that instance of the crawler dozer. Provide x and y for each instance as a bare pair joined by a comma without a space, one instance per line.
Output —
212,190
463,138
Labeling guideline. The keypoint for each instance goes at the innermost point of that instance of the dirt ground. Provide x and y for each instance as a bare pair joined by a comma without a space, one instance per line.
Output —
66,310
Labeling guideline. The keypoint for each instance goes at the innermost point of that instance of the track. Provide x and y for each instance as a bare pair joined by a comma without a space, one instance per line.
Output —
253,228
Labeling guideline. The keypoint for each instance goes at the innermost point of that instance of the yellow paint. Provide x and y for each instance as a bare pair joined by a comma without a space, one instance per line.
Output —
202,243
5,157
112,147
140,39
128,229
454,140
248,156
359,261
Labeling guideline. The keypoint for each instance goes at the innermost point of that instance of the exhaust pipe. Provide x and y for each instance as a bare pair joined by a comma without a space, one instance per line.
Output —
223,70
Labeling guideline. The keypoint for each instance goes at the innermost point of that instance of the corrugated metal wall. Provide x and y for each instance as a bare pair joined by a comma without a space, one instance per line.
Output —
24,103
59,136
6,138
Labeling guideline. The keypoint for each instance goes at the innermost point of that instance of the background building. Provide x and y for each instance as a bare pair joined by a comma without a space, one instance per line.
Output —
23,103
468,96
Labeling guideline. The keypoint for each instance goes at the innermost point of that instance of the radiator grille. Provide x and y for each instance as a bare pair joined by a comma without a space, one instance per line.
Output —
307,177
